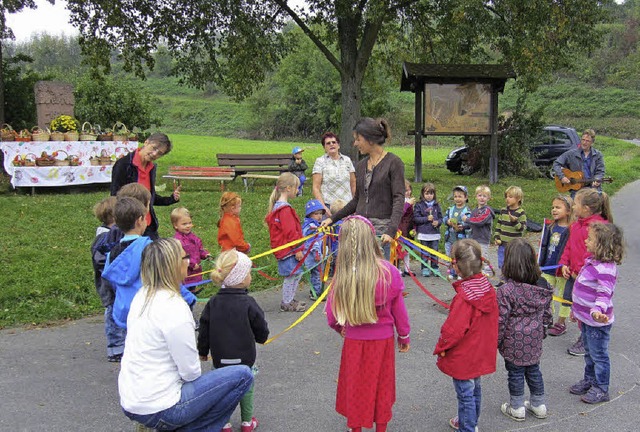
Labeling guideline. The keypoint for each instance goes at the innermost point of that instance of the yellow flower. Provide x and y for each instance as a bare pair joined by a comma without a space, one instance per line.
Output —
64,123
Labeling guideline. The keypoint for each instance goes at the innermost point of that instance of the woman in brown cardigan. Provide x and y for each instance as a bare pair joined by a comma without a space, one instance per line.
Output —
379,192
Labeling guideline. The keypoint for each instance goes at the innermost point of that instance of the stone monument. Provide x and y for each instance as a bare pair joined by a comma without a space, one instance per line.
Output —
53,98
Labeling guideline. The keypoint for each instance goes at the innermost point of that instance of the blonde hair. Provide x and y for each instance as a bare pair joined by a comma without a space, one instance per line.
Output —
359,267
179,213
516,192
228,200
596,201
137,191
104,210
467,254
337,205
568,203
160,268
224,264
591,133
284,181
484,189
609,242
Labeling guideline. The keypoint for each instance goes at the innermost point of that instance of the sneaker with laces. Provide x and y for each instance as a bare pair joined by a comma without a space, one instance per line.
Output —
511,412
577,349
539,411
426,273
294,306
249,426
453,422
595,395
313,296
557,329
580,388
227,428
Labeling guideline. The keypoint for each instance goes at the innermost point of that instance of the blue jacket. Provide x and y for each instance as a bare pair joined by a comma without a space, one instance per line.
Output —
453,212
310,226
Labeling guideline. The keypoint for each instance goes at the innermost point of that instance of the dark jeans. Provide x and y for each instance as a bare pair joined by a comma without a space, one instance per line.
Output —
430,259
115,335
597,366
516,379
469,394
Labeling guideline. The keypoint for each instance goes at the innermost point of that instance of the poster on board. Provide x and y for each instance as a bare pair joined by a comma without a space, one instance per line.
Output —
457,109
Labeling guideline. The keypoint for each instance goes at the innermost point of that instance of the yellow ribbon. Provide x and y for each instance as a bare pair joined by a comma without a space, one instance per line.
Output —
424,248
561,300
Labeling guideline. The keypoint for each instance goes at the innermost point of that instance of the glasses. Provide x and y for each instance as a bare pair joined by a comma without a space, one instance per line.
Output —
187,257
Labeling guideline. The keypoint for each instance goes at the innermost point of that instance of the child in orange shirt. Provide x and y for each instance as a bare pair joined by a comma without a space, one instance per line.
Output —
230,233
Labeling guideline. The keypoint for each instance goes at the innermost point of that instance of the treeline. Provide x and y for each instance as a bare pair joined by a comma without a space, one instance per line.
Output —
301,98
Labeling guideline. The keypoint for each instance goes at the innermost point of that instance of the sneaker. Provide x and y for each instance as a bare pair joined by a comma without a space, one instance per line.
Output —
294,306
313,296
595,395
580,388
116,358
426,272
577,349
227,428
249,426
142,428
296,302
511,412
539,411
557,329
455,425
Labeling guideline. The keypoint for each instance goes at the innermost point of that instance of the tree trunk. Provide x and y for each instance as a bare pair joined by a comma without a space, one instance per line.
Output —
1,87
351,101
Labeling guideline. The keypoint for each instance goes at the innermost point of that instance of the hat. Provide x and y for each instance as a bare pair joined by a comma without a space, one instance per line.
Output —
297,150
461,189
312,206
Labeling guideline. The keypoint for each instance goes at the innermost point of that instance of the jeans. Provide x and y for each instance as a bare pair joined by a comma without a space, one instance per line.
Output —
469,393
501,255
430,259
447,250
115,334
206,403
314,274
516,379
597,366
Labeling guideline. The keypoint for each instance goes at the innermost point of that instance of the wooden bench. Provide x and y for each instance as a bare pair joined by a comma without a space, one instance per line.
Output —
221,174
250,166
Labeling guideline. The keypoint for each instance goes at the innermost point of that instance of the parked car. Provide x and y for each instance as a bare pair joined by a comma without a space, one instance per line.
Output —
554,141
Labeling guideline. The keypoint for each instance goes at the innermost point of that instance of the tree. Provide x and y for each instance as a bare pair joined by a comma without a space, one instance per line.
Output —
234,43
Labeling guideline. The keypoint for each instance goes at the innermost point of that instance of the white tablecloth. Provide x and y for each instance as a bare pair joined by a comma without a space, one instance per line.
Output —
85,173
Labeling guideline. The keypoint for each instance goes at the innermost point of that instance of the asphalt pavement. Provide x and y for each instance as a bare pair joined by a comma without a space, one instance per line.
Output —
57,378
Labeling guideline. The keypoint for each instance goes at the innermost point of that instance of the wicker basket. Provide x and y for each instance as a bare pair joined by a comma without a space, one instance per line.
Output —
43,162
62,162
74,160
7,133
94,160
120,132
87,134
107,136
57,136
38,134
71,136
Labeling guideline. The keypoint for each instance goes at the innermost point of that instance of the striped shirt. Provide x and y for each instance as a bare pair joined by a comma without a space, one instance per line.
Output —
507,230
593,291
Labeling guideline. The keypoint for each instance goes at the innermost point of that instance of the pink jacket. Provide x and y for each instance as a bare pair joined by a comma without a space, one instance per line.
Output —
575,252
390,308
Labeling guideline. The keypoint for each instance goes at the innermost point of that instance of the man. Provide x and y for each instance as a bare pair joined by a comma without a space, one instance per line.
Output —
585,159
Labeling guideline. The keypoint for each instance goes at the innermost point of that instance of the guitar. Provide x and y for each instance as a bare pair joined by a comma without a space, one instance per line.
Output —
576,181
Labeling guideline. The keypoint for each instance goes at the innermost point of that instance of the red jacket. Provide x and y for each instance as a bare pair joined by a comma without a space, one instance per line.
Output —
469,336
575,251
284,227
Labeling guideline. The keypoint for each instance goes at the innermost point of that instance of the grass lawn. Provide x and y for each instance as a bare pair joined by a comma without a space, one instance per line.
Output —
45,239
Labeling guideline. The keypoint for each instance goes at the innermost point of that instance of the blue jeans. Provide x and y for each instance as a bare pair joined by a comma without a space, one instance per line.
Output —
501,255
447,250
206,403
314,274
430,259
115,334
469,393
597,366
517,376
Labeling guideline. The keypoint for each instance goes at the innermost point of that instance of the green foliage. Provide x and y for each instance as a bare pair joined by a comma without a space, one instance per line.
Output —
58,56
19,97
104,100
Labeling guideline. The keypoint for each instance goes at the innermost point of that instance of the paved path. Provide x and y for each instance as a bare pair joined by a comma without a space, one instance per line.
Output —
57,379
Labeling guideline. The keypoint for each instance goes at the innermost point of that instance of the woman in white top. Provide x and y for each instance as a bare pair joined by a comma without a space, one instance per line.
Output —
160,381
333,174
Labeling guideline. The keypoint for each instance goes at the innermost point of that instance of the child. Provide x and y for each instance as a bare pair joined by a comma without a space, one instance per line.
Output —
335,207
284,227
481,220
364,306
314,212
231,324
298,166
512,221
191,243
589,206
406,227
468,341
552,244
452,219
230,233
593,307
427,216
103,211
524,302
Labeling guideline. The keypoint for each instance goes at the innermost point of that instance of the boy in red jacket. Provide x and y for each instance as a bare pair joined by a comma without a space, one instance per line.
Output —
468,343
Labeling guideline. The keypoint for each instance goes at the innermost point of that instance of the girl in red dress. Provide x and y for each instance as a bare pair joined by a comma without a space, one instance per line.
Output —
364,306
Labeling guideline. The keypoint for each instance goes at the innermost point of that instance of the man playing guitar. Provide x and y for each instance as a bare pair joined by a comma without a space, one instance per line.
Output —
585,159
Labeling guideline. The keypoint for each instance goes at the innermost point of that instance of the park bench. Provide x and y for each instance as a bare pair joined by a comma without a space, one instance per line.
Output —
251,167
221,174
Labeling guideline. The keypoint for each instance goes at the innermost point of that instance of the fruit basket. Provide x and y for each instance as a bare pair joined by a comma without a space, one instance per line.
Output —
38,134
45,160
61,162
87,133
120,132
7,133
24,135
24,160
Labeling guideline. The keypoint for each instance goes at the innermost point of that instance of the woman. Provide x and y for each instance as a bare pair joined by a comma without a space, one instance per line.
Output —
160,381
333,174
379,194
139,167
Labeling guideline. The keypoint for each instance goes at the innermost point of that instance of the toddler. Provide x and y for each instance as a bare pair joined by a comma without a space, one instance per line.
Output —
406,227
480,220
230,234
512,221
191,243
427,216
314,211
298,167
452,220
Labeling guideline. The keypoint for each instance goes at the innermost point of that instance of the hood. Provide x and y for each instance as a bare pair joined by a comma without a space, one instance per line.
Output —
540,293
125,269
478,292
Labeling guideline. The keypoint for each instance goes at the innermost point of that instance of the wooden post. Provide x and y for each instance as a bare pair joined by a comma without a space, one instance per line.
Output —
418,134
493,159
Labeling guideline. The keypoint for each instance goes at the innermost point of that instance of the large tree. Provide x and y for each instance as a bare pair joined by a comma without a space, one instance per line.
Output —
234,43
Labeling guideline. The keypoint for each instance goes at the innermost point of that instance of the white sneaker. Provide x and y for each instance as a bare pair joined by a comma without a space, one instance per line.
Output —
539,411
512,413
